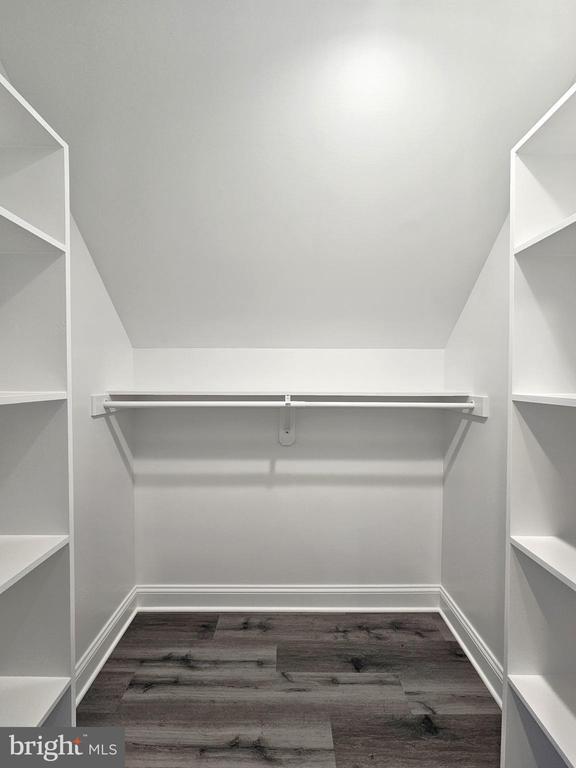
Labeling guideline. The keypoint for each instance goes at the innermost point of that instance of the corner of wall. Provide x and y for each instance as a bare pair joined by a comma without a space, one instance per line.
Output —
102,357
474,503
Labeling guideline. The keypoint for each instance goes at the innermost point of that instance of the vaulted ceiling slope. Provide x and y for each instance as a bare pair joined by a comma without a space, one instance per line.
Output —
289,173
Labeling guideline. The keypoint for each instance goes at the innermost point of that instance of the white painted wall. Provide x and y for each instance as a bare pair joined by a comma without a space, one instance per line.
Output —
103,493
329,370
474,517
288,173
357,499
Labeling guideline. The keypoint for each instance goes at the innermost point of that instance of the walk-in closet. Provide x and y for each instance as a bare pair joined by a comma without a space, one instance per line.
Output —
288,383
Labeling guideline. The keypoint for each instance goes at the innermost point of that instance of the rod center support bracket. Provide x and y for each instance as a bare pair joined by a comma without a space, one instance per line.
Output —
287,428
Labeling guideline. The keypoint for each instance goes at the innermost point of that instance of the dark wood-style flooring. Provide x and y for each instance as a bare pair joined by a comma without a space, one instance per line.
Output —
295,690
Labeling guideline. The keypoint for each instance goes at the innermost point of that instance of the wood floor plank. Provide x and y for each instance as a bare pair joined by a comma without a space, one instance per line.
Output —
155,712
327,627
299,689
105,693
243,754
462,741
441,665
437,680
289,734
97,718
202,654
295,741
370,657
174,629
463,703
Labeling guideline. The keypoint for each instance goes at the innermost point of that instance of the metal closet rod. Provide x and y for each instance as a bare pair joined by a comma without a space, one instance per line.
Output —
474,405
462,405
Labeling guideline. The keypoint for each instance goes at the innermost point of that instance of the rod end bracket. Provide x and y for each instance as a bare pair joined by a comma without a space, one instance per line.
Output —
481,406
97,405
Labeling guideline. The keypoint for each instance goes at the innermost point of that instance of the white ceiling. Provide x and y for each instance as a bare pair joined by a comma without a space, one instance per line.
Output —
289,173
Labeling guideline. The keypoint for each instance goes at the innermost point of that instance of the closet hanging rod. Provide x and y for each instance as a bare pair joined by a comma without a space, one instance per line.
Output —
109,404
475,405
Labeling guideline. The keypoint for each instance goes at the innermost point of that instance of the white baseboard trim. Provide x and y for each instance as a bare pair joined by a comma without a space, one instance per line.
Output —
484,661
372,597
273,598
97,653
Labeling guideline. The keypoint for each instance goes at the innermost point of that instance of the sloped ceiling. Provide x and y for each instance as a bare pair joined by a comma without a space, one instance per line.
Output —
289,173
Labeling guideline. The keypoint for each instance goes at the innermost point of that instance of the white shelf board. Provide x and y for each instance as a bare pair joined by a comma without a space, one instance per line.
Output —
552,130
142,392
554,714
21,554
13,398
554,554
567,399
27,701
15,229
22,122
570,221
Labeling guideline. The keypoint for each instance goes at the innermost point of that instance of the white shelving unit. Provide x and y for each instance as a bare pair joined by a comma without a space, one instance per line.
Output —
540,694
36,532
